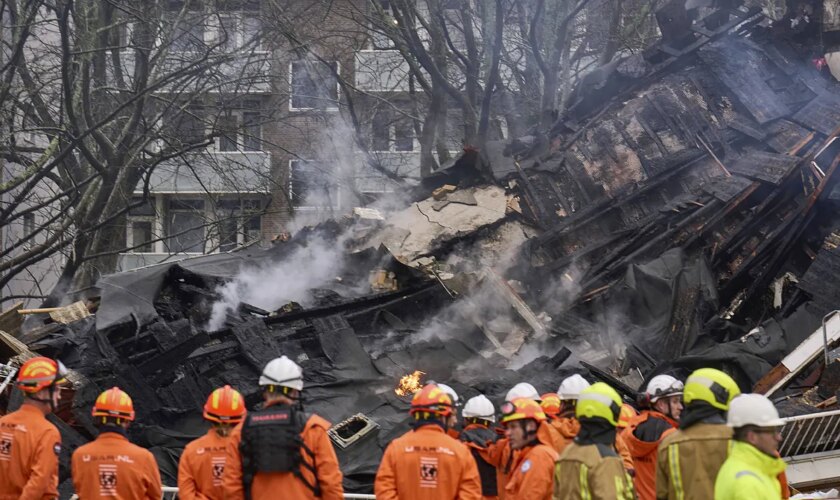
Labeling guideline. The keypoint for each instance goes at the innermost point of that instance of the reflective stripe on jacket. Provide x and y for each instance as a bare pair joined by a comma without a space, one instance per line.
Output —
569,428
688,461
749,473
591,472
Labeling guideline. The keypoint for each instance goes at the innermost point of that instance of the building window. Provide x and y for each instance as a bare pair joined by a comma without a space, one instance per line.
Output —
313,85
183,126
390,133
378,38
312,185
140,226
238,222
239,29
241,130
185,226
28,224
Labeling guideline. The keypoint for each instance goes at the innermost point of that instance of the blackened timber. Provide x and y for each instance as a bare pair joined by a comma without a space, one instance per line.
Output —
767,167
256,342
821,114
171,358
356,306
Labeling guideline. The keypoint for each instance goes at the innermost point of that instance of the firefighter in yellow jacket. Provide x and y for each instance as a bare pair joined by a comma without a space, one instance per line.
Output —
590,467
689,459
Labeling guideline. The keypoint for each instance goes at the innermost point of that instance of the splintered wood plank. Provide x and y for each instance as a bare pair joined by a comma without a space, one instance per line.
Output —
767,167
821,114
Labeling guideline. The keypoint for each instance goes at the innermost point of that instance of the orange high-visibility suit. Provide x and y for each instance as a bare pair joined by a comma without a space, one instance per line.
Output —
427,464
29,448
502,457
202,467
272,484
112,467
532,476
644,451
569,428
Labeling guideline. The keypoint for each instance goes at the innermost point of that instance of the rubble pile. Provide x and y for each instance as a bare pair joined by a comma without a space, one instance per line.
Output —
683,213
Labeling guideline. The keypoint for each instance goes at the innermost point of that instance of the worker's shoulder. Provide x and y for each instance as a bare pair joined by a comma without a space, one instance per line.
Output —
545,451
699,431
589,454
199,443
316,421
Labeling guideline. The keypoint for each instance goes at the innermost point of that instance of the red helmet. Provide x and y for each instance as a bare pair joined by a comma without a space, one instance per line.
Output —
431,399
522,409
625,415
114,403
225,406
40,373
550,403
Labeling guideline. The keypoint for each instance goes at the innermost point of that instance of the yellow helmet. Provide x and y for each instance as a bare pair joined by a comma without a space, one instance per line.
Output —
710,386
599,401
522,409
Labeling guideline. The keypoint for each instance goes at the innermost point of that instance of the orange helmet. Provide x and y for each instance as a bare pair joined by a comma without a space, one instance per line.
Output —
522,409
625,415
431,399
114,403
40,373
225,406
550,403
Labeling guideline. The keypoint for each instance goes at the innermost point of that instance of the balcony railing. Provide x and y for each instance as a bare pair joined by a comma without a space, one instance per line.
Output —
214,172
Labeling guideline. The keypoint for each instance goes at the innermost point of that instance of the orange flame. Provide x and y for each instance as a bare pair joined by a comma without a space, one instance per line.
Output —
409,384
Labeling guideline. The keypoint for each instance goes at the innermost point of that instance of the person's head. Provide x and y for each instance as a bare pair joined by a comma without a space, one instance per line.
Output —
598,403
709,387
522,418
113,408
479,410
452,420
281,381
551,404
225,407
569,392
40,379
664,394
756,421
431,405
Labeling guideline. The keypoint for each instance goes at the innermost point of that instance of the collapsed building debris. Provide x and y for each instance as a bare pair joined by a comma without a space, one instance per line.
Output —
648,231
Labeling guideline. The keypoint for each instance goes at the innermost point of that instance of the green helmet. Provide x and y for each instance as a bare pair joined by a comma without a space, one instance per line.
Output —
710,386
599,401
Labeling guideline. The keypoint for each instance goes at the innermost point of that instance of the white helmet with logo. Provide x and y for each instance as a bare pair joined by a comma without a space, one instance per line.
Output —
282,372
662,386
450,392
479,407
523,390
571,387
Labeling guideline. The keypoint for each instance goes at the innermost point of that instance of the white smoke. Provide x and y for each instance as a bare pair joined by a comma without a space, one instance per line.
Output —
309,266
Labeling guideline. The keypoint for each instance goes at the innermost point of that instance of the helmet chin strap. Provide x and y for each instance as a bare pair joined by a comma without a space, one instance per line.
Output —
48,401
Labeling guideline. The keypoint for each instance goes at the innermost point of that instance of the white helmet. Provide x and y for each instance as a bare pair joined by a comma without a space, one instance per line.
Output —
479,407
753,409
523,390
571,386
450,392
284,372
662,386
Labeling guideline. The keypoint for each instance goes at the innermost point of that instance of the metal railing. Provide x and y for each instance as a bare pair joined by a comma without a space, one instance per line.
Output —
812,433
7,373
171,493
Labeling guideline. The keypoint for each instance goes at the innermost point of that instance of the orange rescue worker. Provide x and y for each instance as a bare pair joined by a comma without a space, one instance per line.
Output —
425,463
568,426
479,414
499,454
533,471
29,444
279,450
627,414
202,464
662,398
110,466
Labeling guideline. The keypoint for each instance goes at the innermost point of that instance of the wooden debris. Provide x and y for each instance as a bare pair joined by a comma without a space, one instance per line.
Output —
441,192
11,321
65,314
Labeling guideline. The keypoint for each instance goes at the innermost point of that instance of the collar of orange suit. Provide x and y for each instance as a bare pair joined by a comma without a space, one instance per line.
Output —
428,426
31,409
109,434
